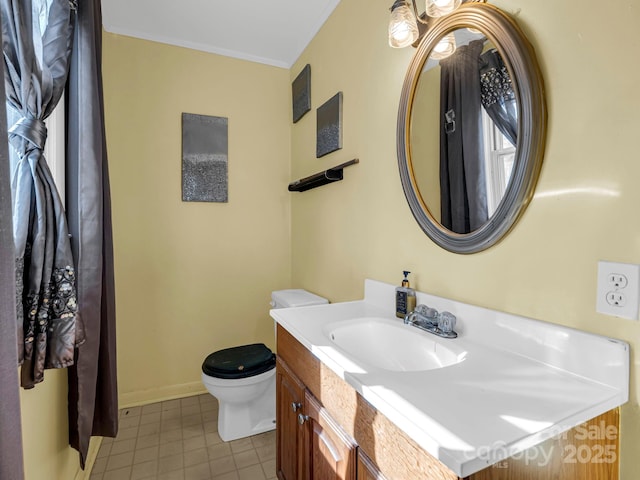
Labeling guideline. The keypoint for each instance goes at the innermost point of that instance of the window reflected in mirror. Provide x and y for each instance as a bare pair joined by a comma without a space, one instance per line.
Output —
499,156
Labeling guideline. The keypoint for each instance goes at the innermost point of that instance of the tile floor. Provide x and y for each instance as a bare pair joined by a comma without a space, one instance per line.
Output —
178,440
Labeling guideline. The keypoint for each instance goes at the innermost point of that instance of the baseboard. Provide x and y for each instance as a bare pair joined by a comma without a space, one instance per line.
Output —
153,395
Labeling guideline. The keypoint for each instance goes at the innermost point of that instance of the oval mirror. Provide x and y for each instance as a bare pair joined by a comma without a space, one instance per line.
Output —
471,128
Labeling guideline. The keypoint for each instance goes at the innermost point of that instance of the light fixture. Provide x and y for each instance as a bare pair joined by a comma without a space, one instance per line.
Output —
445,47
403,26
440,8
403,30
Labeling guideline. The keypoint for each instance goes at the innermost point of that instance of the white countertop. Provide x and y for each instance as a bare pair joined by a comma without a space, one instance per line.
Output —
521,381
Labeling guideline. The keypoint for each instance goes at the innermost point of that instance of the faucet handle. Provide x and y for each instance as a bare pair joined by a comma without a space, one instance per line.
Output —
409,318
446,322
426,313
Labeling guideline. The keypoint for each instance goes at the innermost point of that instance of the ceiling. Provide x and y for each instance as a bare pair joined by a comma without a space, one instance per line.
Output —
273,32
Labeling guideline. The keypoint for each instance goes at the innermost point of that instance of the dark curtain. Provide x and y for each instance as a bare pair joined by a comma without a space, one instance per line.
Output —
11,467
498,97
93,395
37,37
462,173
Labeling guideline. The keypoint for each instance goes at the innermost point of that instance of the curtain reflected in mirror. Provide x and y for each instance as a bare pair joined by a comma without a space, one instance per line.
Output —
464,133
463,190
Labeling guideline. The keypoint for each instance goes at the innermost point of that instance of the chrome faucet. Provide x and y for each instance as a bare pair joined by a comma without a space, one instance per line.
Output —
428,319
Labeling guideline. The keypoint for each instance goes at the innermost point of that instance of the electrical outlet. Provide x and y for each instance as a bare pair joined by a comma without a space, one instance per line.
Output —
616,299
617,280
618,292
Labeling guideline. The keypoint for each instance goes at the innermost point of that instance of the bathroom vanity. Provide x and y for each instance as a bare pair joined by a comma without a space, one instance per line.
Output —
519,398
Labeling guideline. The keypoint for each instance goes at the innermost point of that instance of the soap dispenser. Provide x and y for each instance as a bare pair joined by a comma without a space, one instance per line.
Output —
405,297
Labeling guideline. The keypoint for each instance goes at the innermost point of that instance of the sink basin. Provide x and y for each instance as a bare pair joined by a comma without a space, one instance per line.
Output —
391,345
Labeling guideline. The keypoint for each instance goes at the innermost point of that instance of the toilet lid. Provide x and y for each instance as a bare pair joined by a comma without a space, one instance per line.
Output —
239,362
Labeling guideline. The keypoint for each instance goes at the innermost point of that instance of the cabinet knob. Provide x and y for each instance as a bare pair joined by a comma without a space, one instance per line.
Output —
295,406
302,418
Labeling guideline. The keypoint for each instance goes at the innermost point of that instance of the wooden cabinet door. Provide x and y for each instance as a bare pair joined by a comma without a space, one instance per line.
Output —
331,454
289,432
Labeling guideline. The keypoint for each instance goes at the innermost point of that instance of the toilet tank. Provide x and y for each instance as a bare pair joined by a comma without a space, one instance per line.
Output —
295,298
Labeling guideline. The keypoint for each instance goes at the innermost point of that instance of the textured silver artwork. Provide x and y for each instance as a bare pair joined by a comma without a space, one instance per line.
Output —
205,147
329,126
301,93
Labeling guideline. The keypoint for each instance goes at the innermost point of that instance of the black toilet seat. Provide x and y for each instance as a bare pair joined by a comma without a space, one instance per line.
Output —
239,362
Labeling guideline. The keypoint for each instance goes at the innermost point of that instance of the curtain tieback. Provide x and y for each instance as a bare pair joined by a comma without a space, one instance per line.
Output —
33,130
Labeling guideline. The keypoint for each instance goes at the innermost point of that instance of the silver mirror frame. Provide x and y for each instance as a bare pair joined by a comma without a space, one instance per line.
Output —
520,59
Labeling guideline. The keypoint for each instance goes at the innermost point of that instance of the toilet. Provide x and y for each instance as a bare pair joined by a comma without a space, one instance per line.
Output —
243,378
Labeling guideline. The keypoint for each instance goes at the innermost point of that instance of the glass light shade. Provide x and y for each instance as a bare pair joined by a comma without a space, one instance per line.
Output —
403,30
445,47
439,8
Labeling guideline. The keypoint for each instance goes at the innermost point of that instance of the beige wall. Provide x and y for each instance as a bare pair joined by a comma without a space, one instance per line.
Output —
586,205
192,278
425,138
45,430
